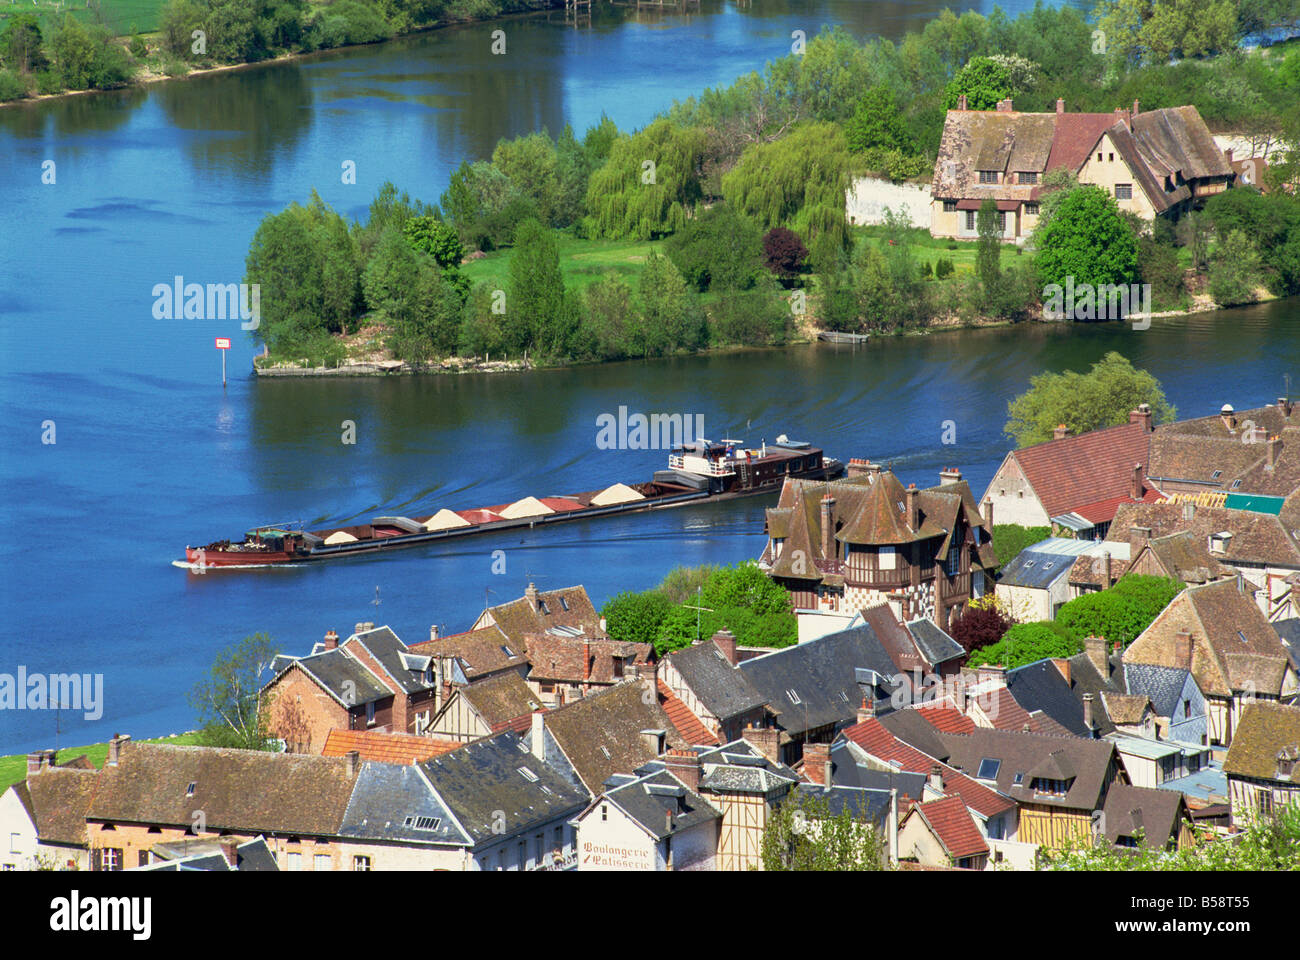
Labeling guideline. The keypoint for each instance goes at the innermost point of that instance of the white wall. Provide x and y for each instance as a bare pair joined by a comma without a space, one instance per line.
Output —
614,841
868,197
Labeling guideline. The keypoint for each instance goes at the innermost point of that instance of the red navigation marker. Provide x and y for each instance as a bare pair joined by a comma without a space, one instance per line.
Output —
223,344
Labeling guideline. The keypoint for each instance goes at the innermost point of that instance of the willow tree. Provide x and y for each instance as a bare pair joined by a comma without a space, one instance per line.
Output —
797,182
648,185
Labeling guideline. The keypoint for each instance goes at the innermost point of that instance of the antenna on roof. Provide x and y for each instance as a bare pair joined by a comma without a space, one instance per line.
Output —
376,601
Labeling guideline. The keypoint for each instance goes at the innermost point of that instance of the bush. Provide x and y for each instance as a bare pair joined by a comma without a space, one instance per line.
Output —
979,626
11,85
943,268
635,617
1120,613
1010,538
48,81
1234,271
1027,643
139,49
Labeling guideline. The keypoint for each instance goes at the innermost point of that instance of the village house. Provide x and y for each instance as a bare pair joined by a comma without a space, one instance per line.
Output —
1136,816
1075,483
538,611
1252,452
942,833
471,656
747,783
371,681
1263,763
1219,635
1035,584
501,702
866,540
566,664
1176,701
706,679
1149,762
1154,163
43,818
1183,556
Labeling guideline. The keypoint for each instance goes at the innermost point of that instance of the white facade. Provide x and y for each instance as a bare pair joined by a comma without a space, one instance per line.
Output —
20,849
609,839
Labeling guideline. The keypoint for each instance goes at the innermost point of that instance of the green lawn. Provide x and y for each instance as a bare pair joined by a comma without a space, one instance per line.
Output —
581,261
928,248
120,16
14,768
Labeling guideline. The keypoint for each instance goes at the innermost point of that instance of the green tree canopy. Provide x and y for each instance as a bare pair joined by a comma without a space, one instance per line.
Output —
1086,241
983,80
648,185
228,701
719,249
1102,397
1025,643
1119,613
802,834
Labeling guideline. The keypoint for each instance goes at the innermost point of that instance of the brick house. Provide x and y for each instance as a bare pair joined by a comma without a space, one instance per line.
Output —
567,664
1154,163
865,540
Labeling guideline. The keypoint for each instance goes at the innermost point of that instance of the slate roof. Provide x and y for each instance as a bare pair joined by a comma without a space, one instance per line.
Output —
650,799
378,747
822,674
952,825
342,676
1156,813
600,735
895,638
480,651
57,799
724,690
566,607
871,805
935,645
686,723
873,737
1232,642
1083,469
386,801
482,782
238,790
737,767
561,657
503,700
1037,755
1265,730
251,856
403,673
849,769
1195,450
1042,564
1161,685
1040,686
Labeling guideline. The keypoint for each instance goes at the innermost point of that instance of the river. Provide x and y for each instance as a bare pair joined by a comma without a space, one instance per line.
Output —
151,453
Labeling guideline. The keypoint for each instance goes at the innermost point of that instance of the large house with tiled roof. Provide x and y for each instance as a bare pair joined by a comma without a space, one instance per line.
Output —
865,540
1154,163
1263,764
538,611
1247,452
566,664
705,678
43,818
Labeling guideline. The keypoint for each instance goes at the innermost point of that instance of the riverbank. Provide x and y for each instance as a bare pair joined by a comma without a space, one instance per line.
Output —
13,768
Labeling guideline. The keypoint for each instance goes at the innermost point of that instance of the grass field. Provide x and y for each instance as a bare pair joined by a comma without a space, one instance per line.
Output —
120,16
14,768
581,261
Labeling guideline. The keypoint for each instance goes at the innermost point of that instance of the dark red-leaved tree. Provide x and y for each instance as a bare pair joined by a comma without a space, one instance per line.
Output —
784,253
977,627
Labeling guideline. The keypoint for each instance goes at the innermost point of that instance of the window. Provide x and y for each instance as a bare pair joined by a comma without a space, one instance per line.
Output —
537,854
142,858
1187,708
528,774
604,812
189,791
1112,158
1123,191
423,823
1031,209
1236,484
295,860
370,714
1002,221
1099,158
1264,802
950,206
989,769
523,854
507,651
970,219
988,176
564,604
794,697
954,560
559,839
13,843
110,858
1028,176
542,607
1057,788
1216,474
322,862
888,557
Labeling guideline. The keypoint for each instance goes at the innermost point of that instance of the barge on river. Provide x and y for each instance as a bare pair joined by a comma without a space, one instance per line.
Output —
699,471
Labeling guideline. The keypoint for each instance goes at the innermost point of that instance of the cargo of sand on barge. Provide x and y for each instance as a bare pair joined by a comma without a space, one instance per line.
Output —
697,471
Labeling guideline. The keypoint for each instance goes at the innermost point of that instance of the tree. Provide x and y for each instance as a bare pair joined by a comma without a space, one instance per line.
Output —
979,626
983,80
1119,613
1235,274
802,834
1102,397
21,43
389,279
1025,643
1086,242
439,240
648,185
784,254
878,124
541,319
719,249
669,318
228,701
1010,538
610,317
74,52
635,617
531,165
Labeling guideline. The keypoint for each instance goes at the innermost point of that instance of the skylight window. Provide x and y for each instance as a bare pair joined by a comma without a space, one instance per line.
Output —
1020,778
1242,637
1216,474
564,603
189,791
1236,484
507,651
989,769
528,774
423,823
794,697
605,751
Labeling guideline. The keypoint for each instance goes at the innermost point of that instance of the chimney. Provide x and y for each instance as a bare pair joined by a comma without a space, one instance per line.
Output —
353,758
961,102
858,467
936,778
1189,512
539,734
949,475
1095,648
1060,106
1063,668
530,593
1274,448
817,763
230,850
586,660
913,508
1061,432
115,748
828,530
1087,716
359,627
1183,650
433,631
35,762
1137,539
1227,155
653,740
1107,573
331,640
1136,489
685,766
1284,406
1141,415
988,515
1137,108
766,740
1004,106
1119,113
726,643
1229,417
867,710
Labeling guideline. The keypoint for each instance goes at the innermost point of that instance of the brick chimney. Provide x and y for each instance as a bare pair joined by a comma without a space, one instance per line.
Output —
1095,648
857,467
586,660
1060,106
1229,417
1087,716
230,850
1274,448
988,515
115,748
726,643
35,762
1137,107
817,763
766,740
867,710
1137,539
1004,106
530,594
913,507
331,640
949,475
1183,650
1141,415
685,766
828,528
961,102
936,778
538,734
1136,487
1119,114
1063,668
1061,432
353,757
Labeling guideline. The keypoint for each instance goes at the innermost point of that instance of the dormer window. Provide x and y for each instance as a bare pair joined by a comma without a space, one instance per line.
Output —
1055,788
542,607
189,791
564,604
988,177
1028,176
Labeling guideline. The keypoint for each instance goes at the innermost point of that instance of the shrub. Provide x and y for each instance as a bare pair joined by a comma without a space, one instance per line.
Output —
1027,643
1010,538
1120,613
1234,271
11,85
943,268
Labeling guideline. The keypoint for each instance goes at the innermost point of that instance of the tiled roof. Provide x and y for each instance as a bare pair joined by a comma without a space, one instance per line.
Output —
875,739
1090,569
1208,451
339,674
503,701
57,798
952,824
1256,537
946,718
561,658
482,651
385,747
1156,813
1075,136
566,607
1084,763
1265,730
687,724
1125,708
1084,469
